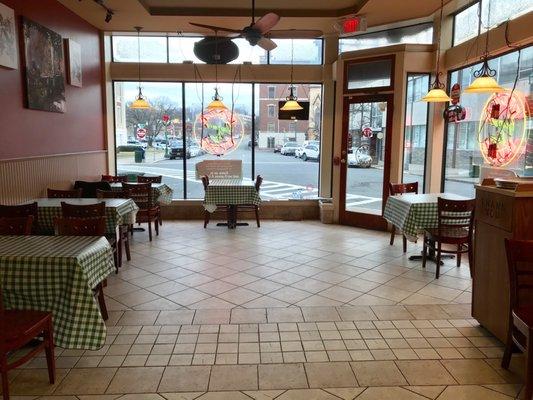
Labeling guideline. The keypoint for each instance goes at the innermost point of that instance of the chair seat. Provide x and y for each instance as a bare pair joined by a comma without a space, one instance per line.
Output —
448,235
524,314
21,323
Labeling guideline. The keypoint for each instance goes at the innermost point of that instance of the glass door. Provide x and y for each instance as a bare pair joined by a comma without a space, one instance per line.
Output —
365,159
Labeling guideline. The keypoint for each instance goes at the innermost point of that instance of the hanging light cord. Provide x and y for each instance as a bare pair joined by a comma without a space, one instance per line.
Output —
138,28
437,84
485,69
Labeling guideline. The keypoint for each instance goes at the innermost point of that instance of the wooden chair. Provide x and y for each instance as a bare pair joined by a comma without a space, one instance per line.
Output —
455,227
520,334
16,225
85,227
123,229
88,189
64,194
24,210
401,188
17,329
114,178
149,179
220,207
253,207
141,194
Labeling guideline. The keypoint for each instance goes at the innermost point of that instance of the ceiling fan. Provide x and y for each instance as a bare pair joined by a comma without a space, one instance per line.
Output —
260,32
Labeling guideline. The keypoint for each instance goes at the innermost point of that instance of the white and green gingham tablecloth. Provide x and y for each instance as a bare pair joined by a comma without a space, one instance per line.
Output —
412,213
230,192
161,191
118,212
57,274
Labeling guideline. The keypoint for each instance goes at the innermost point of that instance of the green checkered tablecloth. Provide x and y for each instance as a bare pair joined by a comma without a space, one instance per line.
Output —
412,213
118,212
161,191
57,274
230,192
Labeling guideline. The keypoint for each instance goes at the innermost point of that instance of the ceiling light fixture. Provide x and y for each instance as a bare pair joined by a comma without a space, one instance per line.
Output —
291,103
108,16
484,82
436,93
140,103
217,102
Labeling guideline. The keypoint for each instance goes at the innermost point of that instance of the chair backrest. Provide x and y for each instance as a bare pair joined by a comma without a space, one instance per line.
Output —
80,226
149,179
88,189
83,211
258,182
401,188
114,178
455,213
16,225
520,266
141,194
23,210
112,194
63,194
205,181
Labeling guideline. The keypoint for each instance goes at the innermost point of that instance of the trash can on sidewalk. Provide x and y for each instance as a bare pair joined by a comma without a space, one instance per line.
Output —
139,155
326,211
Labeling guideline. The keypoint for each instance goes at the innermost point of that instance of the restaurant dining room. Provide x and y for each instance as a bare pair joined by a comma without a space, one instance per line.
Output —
255,199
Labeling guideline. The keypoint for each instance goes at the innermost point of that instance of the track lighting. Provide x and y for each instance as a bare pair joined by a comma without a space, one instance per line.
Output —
108,15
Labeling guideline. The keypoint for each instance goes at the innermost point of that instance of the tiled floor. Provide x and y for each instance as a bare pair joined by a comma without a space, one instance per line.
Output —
294,310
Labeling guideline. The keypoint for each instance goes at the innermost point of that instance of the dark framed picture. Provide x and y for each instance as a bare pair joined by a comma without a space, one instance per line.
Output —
44,68
8,38
74,70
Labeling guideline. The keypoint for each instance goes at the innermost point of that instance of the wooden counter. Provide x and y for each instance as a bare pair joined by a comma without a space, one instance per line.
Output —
500,214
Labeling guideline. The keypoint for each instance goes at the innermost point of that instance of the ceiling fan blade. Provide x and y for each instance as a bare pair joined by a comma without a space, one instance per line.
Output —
266,22
267,44
215,28
295,34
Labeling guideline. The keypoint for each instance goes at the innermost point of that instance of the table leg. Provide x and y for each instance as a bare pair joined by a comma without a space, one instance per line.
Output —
232,218
432,255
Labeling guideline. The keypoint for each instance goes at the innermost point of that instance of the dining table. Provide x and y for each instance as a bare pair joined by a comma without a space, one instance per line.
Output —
230,192
57,274
118,212
412,213
162,193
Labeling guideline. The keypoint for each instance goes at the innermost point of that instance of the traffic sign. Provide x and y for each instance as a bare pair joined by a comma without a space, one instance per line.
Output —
367,132
141,133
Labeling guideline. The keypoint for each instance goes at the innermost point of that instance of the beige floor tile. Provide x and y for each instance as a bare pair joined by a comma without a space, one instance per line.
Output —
424,372
282,376
223,396
356,313
468,372
177,317
185,379
34,381
334,374
212,316
317,314
138,318
233,377
263,394
250,315
86,381
389,393
291,314
391,312
431,392
378,373
471,393
136,380
306,394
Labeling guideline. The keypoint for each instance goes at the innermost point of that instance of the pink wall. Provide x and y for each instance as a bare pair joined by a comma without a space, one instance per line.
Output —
25,132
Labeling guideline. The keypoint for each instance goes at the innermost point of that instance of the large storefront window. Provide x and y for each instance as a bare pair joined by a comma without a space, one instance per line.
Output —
415,133
510,146
159,132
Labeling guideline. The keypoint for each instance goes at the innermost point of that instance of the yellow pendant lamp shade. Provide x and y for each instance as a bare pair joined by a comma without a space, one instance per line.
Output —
484,84
217,103
436,95
291,105
140,103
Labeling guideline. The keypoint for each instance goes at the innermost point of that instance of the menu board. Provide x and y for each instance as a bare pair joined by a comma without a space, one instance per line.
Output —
219,169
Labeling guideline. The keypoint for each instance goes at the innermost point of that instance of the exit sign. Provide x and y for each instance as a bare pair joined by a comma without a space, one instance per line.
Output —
350,25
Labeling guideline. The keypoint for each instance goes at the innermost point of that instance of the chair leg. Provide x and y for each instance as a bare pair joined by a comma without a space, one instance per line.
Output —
160,220
459,254
49,350
528,393
437,270
156,225
206,218
257,216
392,234
101,302
5,381
126,241
507,354
404,244
471,259
424,252
150,230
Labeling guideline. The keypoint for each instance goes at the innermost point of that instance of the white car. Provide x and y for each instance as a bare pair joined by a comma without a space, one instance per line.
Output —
288,148
359,160
298,152
310,151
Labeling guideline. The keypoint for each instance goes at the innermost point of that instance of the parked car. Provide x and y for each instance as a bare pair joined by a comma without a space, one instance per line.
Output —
195,150
310,151
176,149
298,152
250,143
288,148
359,159
277,148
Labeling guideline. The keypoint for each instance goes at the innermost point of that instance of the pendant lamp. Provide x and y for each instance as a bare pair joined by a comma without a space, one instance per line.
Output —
291,102
217,103
484,82
140,103
436,93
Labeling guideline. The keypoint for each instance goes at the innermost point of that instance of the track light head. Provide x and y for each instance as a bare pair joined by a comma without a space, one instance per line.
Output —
108,16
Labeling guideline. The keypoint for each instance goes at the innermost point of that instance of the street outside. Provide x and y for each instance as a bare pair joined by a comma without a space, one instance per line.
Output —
285,177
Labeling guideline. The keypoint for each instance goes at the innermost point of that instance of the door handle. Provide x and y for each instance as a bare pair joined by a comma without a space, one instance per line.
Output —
343,161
